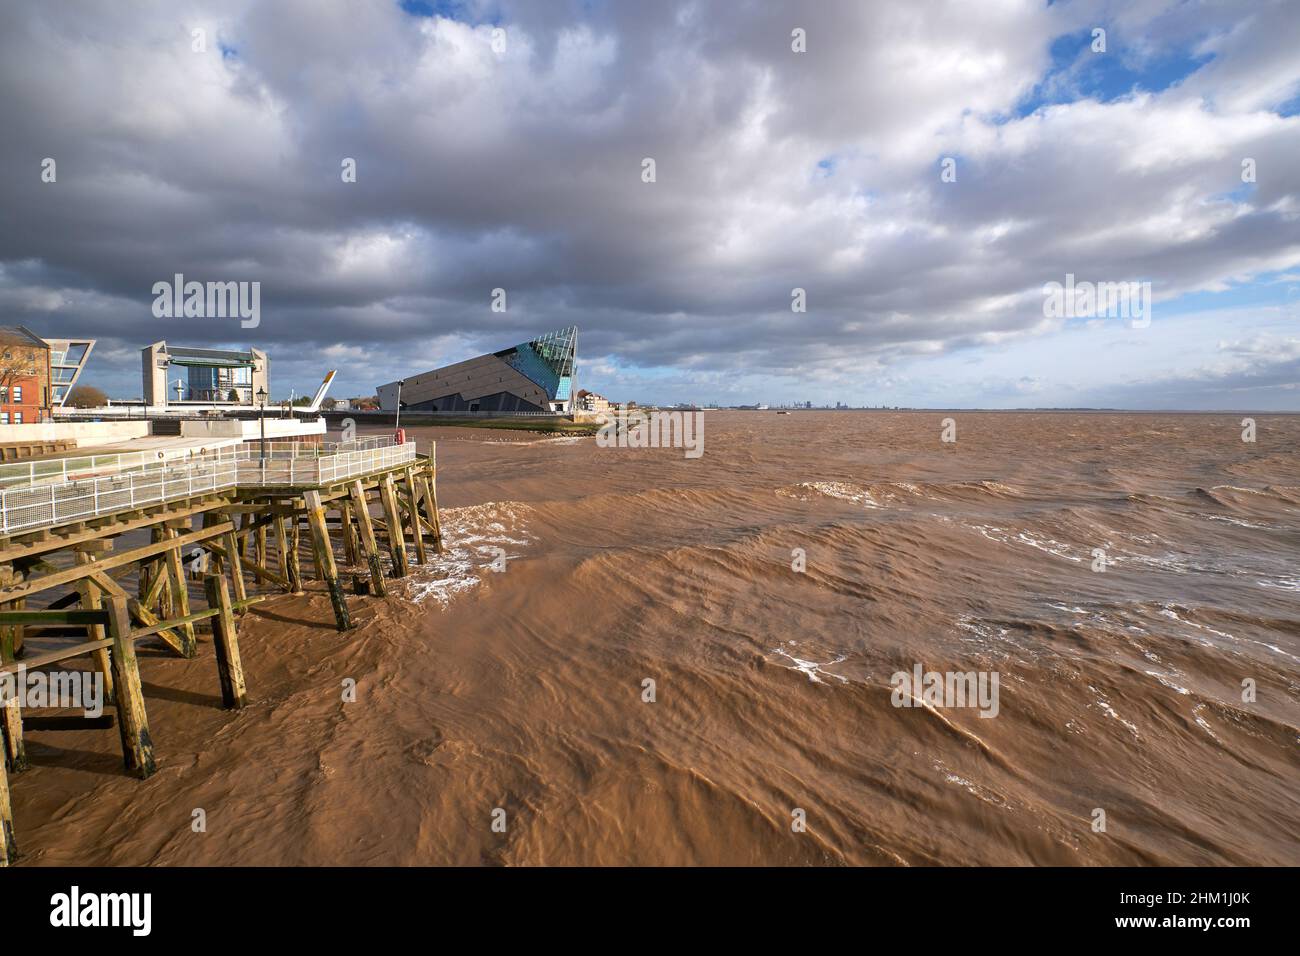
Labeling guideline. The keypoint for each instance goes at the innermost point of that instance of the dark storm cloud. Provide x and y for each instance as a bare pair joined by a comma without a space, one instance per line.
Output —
521,170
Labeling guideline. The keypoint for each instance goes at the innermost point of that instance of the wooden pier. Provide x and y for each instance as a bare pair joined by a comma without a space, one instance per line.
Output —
63,577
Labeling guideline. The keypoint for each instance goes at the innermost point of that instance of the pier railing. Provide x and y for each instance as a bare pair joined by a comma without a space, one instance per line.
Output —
82,467
48,501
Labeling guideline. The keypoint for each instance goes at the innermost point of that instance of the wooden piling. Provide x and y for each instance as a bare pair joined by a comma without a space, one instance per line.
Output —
8,842
295,562
180,595
351,553
137,745
393,523
368,545
90,601
417,531
12,749
236,566
225,638
324,553
430,483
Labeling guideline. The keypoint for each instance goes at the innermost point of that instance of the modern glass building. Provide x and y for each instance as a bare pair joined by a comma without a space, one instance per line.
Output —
533,376
67,359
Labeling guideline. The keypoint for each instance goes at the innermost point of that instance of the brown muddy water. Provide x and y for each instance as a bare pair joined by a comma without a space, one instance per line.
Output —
522,690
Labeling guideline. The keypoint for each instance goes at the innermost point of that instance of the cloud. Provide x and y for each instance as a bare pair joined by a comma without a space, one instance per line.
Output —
522,170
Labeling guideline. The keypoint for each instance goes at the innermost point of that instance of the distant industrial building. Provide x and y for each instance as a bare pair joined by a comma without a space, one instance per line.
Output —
177,376
36,374
534,376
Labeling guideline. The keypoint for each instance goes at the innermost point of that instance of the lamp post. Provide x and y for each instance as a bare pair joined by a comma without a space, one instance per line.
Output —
261,420
397,421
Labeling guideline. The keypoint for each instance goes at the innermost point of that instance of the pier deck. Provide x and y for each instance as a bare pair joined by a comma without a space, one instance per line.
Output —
230,517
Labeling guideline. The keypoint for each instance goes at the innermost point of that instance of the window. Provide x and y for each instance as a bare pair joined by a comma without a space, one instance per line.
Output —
4,418
18,394
18,418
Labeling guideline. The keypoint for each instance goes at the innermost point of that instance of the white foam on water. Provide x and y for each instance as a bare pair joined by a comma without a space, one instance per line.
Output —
1202,722
840,490
812,668
1281,584
474,538
1109,711
1167,682
1050,546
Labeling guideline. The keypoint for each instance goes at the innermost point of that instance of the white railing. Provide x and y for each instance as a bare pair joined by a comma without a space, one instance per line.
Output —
58,502
80,468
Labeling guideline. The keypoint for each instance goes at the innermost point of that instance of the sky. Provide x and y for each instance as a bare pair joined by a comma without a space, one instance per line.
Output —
921,171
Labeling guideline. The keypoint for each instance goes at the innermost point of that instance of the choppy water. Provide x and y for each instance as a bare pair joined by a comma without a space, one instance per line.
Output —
522,690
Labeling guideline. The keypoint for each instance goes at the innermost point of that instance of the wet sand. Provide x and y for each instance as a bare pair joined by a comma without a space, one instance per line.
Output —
522,690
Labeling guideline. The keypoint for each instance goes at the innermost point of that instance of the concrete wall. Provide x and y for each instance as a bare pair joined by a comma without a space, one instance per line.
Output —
83,433
277,429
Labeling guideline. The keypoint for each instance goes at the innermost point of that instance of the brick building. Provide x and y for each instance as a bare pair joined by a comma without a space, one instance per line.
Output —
24,376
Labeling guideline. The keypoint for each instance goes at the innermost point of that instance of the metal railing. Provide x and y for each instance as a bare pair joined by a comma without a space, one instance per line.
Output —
82,467
54,502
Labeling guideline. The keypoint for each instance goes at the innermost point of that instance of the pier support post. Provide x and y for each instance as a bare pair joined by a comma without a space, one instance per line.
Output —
90,601
351,553
8,843
11,635
12,749
225,638
180,596
320,537
368,545
393,521
417,530
137,745
236,566
282,546
295,562
261,547
430,484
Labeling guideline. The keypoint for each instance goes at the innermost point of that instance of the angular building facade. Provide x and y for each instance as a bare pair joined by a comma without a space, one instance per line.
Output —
534,376
176,375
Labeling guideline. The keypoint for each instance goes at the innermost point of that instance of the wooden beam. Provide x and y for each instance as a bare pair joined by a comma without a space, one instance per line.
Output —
8,842
90,600
193,618
295,562
137,745
429,483
68,575
180,595
149,619
236,565
320,537
368,546
77,617
393,523
22,549
251,567
417,532
230,669
351,553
